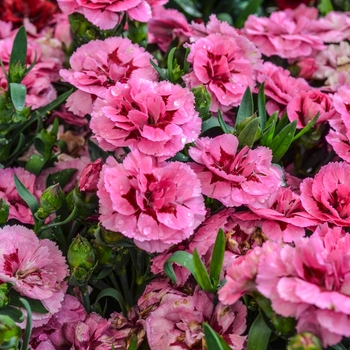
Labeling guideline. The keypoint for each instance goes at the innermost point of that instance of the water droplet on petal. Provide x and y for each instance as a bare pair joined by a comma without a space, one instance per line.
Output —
147,230
223,97
204,47
189,214
183,140
177,103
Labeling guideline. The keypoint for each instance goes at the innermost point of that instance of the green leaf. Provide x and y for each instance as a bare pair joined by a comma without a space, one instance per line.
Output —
160,71
184,259
186,66
213,340
217,258
248,135
61,177
262,106
307,127
96,152
222,123
210,123
31,66
19,48
35,305
325,6
113,293
246,109
339,346
170,64
26,195
19,145
202,273
251,8
282,141
55,126
188,7
18,93
133,343
269,130
281,123
259,334
29,325
14,313
35,164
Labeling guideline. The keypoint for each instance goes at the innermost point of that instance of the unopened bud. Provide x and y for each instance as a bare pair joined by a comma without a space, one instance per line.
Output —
304,341
10,333
81,253
203,101
90,176
50,201
4,211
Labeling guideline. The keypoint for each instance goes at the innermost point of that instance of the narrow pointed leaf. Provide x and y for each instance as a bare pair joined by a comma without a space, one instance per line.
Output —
262,106
160,71
217,258
269,131
188,7
181,258
259,335
248,135
31,66
26,195
281,123
170,64
251,8
113,293
133,343
222,123
246,109
18,94
14,313
210,123
213,340
19,48
29,325
61,177
202,273
307,127
282,141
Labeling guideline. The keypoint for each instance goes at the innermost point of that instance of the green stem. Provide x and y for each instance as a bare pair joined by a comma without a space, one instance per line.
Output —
86,298
126,290
55,224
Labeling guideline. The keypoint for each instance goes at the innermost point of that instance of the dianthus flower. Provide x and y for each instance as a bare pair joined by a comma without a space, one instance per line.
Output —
100,64
156,204
156,118
327,196
36,268
285,33
225,63
234,177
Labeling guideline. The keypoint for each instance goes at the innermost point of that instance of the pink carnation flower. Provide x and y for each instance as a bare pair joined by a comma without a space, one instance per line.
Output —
158,119
285,33
99,64
167,25
311,282
155,204
234,178
105,13
326,197
226,65
280,87
339,136
36,268
19,210
304,107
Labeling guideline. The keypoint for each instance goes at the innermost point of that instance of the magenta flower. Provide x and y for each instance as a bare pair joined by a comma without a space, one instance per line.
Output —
285,33
327,196
158,119
36,268
311,282
99,64
234,178
226,65
105,13
304,106
156,204
90,176
19,210
280,87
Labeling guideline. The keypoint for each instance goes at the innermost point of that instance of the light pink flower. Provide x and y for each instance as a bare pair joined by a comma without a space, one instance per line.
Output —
327,196
19,210
308,66
226,65
234,178
285,33
62,29
311,279
158,119
167,25
155,204
339,136
99,64
304,107
105,14
181,317
280,87
36,268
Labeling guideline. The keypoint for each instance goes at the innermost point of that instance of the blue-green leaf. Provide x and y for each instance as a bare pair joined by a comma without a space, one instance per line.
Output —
159,70
246,109
213,340
282,141
210,123
259,334
170,64
26,195
62,177
217,258
269,131
18,94
262,106
14,313
35,164
202,273
19,48
222,123
248,135
184,259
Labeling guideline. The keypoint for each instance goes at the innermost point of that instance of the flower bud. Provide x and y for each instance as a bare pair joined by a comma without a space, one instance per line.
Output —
10,334
4,300
85,203
50,201
105,255
203,101
90,175
304,341
4,211
17,72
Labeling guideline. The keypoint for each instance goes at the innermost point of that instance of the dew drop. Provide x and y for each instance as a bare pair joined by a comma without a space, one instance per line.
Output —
223,97
177,103
183,140
121,222
114,92
204,47
147,230
189,214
